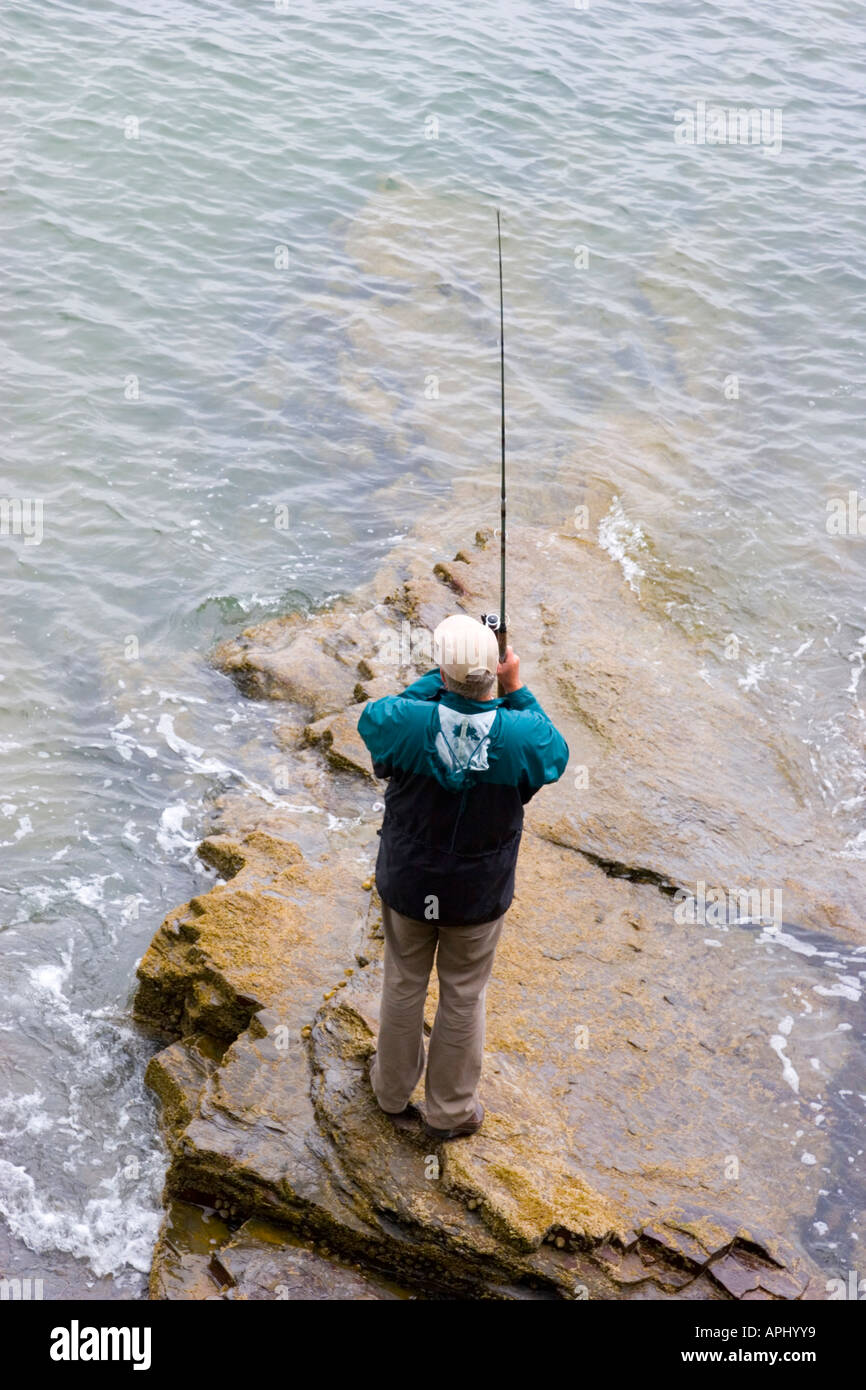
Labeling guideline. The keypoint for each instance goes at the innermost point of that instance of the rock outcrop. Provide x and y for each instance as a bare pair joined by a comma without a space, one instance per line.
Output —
641,1115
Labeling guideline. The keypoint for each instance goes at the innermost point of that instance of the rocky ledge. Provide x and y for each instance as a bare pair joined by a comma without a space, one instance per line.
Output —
644,1136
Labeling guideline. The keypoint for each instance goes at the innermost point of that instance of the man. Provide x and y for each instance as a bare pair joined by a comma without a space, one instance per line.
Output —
462,764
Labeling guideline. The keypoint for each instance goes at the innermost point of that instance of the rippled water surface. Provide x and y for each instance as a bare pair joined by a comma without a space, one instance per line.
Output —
249,333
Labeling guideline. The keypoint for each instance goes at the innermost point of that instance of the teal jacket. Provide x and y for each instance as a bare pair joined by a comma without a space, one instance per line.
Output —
460,772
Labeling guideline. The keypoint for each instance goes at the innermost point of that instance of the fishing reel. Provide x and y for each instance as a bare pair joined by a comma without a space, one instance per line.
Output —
495,623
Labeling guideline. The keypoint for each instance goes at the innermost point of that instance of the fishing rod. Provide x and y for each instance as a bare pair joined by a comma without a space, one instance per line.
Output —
497,621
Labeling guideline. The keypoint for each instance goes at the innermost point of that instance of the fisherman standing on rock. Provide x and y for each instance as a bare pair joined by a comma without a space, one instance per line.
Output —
462,763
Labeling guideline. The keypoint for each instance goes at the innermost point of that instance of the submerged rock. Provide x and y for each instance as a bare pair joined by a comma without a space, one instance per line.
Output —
200,1257
642,1137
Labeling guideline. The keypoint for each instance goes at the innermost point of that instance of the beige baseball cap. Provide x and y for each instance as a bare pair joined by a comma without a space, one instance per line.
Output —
463,647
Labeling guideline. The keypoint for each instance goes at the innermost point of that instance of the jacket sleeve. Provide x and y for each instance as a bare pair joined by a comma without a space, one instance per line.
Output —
544,752
393,729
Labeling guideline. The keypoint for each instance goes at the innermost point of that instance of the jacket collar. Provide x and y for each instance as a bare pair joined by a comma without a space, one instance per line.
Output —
464,706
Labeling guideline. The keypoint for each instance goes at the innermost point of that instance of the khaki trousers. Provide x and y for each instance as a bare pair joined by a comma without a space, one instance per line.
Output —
464,960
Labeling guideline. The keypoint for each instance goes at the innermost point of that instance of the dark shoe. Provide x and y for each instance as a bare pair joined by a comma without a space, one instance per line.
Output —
407,1118
460,1131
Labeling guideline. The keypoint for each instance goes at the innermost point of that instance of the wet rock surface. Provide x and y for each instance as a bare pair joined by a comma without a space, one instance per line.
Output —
660,1093
199,1256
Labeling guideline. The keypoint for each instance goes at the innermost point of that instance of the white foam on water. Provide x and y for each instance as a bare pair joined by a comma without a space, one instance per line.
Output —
623,540
89,892
24,1114
39,894
50,978
165,726
47,986
838,991
856,659
164,695
111,1223
170,835
755,672
128,833
855,848
127,745
195,761
131,905
778,1043
110,1231
776,937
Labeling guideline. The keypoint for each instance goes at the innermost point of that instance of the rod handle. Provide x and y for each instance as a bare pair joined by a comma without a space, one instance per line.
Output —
502,639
